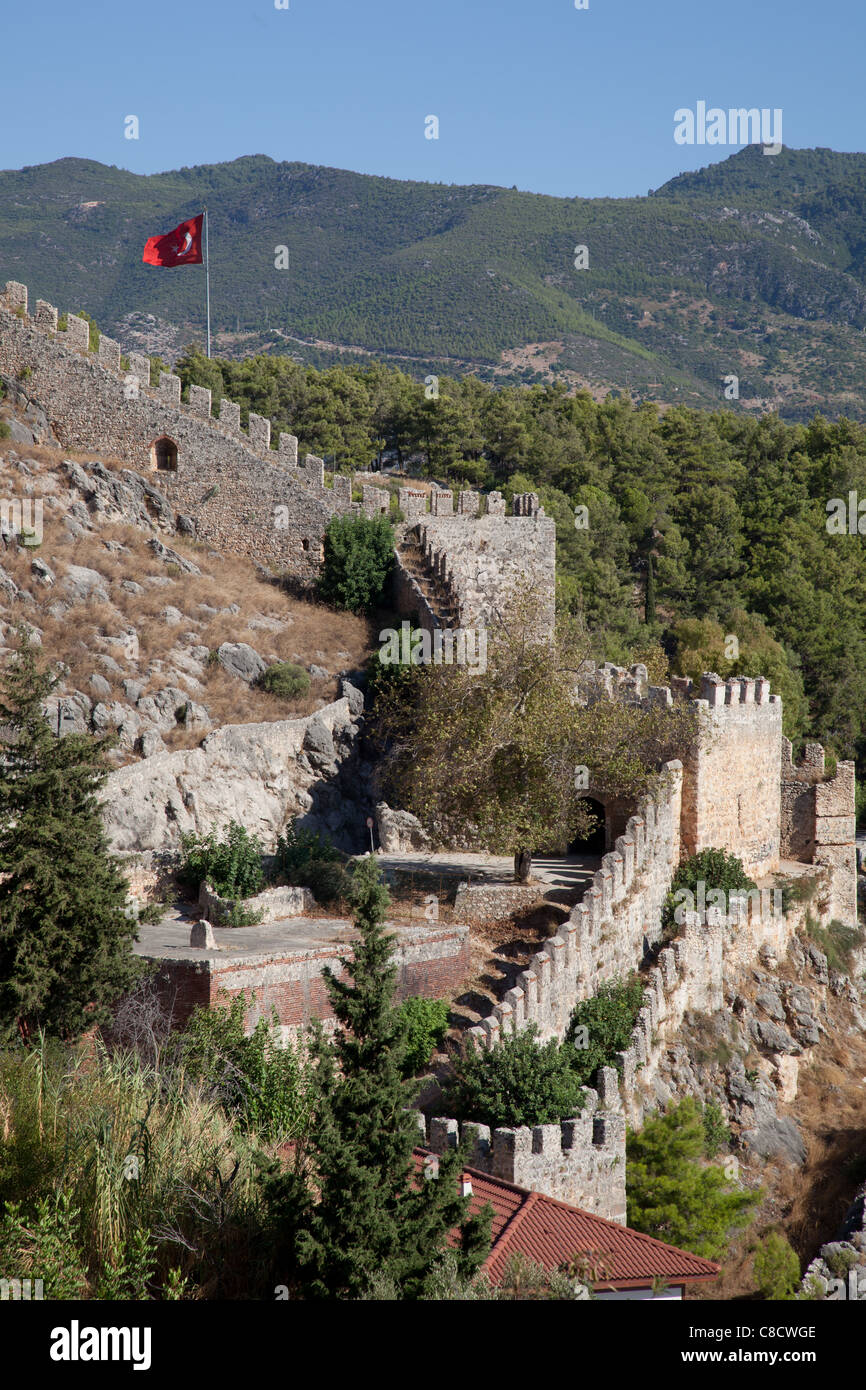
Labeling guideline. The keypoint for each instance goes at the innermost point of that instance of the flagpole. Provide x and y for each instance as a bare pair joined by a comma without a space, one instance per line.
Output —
207,276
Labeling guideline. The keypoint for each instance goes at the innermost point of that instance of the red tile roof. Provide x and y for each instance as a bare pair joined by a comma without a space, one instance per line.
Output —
552,1233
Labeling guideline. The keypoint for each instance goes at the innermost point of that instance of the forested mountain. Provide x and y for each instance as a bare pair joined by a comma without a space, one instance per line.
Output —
754,267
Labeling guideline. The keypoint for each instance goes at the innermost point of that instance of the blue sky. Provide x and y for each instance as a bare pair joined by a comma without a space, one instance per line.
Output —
527,92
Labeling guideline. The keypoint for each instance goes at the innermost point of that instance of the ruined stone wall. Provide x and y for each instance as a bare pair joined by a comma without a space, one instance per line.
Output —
818,823
731,787
580,1161
689,978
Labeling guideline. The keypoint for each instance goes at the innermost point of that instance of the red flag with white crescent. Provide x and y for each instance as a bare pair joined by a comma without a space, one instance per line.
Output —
180,247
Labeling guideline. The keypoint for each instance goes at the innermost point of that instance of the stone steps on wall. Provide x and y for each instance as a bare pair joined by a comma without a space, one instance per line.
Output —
441,602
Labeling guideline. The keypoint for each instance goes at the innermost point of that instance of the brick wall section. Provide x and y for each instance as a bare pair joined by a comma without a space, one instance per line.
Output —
731,786
430,962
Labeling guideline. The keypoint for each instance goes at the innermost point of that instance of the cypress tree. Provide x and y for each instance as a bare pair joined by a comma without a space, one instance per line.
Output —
367,1218
650,598
65,937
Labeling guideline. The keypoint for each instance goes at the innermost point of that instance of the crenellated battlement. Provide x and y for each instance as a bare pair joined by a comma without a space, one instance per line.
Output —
609,931
247,490
580,1161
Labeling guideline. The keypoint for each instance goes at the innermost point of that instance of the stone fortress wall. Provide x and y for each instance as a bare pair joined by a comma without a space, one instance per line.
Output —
609,932
242,494
818,823
580,1161
731,787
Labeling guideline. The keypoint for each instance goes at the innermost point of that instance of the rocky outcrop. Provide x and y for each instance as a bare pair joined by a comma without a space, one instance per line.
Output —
746,1057
839,1270
261,775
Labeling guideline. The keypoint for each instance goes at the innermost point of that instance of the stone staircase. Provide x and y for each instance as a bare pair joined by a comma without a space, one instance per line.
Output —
436,592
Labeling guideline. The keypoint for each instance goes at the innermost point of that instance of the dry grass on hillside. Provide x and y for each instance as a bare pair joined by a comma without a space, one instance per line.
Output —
808,1204
278,626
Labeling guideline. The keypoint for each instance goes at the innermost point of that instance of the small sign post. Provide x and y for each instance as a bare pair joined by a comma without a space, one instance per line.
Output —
370,828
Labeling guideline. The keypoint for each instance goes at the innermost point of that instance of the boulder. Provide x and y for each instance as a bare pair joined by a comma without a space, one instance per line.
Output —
150,744
100,686
8,588
770,1002
776,1137
773,1037
355,697
399,831
68,714
20,433
171,557
81,584
241,660
43,572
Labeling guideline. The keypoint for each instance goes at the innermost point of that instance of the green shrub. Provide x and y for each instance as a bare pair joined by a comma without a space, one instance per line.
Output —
837,941
262,1085
777,1268
5,430
153,912
329,883
717,1135
390,680
43,1245
427,1024
717,870
288,681
840,1261
358,556
308,860
240,916
605,1022
298,848
519,1082
233,865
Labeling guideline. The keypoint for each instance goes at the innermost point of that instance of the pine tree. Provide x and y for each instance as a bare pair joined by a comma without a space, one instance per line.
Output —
65,937
673,1194
368,1219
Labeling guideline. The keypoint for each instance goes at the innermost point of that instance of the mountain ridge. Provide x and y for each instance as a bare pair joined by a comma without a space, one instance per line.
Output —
683,289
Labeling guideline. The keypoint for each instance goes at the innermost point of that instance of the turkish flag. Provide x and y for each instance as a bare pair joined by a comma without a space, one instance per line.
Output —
180,247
